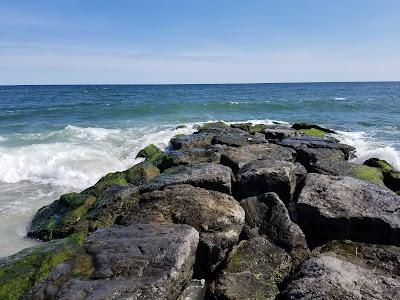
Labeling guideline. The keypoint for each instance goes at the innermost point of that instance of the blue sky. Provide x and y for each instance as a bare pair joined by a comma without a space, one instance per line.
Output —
203,41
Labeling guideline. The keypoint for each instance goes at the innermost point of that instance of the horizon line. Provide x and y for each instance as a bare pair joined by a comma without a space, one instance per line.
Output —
221,83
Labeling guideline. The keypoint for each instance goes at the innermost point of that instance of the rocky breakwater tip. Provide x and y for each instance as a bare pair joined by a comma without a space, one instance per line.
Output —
240,211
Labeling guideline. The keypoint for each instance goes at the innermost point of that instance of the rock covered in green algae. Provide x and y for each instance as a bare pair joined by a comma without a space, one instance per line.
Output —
96,207
21,271
255,269
391,176
332,162
152,154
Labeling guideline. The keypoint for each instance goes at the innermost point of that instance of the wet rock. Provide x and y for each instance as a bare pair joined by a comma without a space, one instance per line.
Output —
270,216
331,162
207,175
254,270
331,276
19,272
264,176
307,126
298,142
208,154
235,158
237,138
331,207
152,154
75,212
391,177
196,290
141,261
194,140
217,216
213,127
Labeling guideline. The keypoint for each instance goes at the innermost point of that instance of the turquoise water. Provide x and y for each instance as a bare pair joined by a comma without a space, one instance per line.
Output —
55,139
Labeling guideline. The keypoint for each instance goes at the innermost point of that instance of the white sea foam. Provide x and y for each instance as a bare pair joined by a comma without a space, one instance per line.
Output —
3,139
339,98
367,147
239,102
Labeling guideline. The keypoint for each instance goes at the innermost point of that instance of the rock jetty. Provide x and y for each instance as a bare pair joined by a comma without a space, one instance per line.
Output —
241,211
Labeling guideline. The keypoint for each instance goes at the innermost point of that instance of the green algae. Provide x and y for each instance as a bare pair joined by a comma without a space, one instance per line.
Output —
213,125
313,132
381,164
370,174
152,154
141,172
19,272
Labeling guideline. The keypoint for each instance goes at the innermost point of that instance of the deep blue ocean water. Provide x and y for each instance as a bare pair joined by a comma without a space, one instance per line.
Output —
55,139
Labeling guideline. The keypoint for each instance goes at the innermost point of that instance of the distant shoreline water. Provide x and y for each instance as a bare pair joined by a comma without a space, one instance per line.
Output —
55,139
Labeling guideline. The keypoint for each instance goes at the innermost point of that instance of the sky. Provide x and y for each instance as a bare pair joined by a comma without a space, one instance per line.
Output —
198,41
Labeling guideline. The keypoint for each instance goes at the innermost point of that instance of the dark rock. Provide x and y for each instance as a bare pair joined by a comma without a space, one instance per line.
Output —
332,208
207,175
196,290
254,270
217,216
391,177
194,140
270,216
332,276
264,176
141,261
213,127
235,158
208,154
298,142
331,162
82,213
279,133
300,172
300,126
237,138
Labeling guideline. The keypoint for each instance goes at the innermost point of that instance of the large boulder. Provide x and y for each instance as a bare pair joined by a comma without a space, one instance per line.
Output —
207,175
332,162
207,154
237,138
269,216
280,133
152,154
332,207
194,140
254,270
348,270
217,216
19,272
307,126
82,212
235,158
250,127
141,261
264,176
298,142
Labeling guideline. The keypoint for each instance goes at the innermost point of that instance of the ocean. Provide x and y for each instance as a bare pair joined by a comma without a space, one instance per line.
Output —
56,139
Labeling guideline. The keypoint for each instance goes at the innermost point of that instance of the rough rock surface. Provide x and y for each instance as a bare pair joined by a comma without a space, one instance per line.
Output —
236,138
208,154
254,270
331,207
391,177
207,175
268,214
279,133
217,216
194,140
235,158
141,261
264,176
317,142
332,162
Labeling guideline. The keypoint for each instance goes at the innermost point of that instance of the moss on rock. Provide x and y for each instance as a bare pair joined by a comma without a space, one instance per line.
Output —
141,172
370,174
212,125
19,272
313,132
152,154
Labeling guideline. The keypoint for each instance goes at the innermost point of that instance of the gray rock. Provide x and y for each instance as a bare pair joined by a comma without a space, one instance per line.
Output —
254,270
235,158
300,126
207,175
235,137
207,154
250,127
279,133
196,290
329,276
298,142
194,140
331,207
141,261
217,216
264,176
270,216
